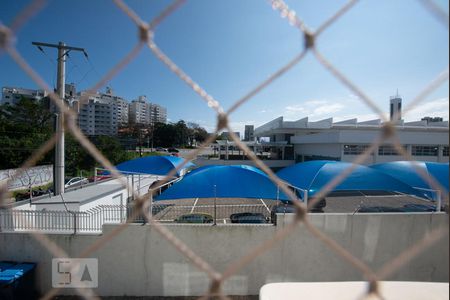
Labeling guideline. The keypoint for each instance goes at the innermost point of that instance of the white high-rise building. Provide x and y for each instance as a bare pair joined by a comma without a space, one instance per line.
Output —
139,111
143,112
158,114
98,116
120,103
12,95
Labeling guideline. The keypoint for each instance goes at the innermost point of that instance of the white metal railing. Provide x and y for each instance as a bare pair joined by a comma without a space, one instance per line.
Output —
437,199
92,221
61,221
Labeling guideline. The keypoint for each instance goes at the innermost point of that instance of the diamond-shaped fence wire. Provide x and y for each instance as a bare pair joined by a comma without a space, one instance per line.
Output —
145,31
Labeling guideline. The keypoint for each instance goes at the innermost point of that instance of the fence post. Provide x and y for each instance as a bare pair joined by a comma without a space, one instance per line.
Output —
439,201
305,197
151,207
74,223
132,186
215,205
278,193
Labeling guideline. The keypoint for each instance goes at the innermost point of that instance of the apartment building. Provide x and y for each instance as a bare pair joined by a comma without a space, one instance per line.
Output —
98,116
142,111
12,95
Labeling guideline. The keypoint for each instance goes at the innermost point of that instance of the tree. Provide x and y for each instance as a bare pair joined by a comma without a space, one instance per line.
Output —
24,127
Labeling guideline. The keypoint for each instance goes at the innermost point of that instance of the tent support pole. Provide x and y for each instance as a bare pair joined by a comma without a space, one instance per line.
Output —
439,201
215,206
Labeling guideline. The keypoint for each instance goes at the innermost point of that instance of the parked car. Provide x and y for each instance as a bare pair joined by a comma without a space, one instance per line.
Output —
99,178
419,207
173,150
195,218
248,218
160,149
75,181
22,196
284,207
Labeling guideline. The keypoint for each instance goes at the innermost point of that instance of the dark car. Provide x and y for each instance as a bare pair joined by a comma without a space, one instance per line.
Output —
195,218
419,207
248,218
379,209
285,207
173,150
22,196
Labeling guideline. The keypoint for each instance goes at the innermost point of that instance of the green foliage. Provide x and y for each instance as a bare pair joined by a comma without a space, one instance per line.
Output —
78,159
176,135
23,129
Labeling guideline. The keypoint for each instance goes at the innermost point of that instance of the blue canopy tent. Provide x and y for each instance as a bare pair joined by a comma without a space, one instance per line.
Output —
405,171
224,182
314,175
155,165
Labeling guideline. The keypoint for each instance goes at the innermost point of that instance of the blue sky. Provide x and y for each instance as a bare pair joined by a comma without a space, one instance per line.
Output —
230,46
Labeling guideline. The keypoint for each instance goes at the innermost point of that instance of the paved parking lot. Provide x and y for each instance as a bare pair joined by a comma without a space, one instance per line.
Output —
169,210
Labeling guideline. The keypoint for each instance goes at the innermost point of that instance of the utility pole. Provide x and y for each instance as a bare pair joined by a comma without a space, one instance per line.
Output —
58,169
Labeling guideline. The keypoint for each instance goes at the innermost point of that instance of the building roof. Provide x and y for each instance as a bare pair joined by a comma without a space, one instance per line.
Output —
314,175
155,165
224,182
278,125
405,171
83,194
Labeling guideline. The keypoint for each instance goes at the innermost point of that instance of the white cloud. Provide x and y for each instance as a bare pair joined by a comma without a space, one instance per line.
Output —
314,109
434,108
352,107
327,109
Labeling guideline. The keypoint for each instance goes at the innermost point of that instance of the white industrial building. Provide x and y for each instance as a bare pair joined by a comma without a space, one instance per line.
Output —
425,140
343,141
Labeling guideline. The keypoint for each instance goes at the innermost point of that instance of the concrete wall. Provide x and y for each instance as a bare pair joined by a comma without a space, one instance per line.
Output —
35,176
139,262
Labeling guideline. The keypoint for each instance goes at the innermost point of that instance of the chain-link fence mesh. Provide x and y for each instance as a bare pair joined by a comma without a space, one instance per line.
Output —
145,31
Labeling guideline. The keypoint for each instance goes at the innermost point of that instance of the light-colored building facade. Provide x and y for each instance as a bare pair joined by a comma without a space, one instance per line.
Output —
143,112
98,116
120,103
139,111
345,140
158,114
12,95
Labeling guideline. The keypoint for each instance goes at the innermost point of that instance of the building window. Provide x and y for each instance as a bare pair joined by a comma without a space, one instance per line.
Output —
445,151
355,149
425,150
387,150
